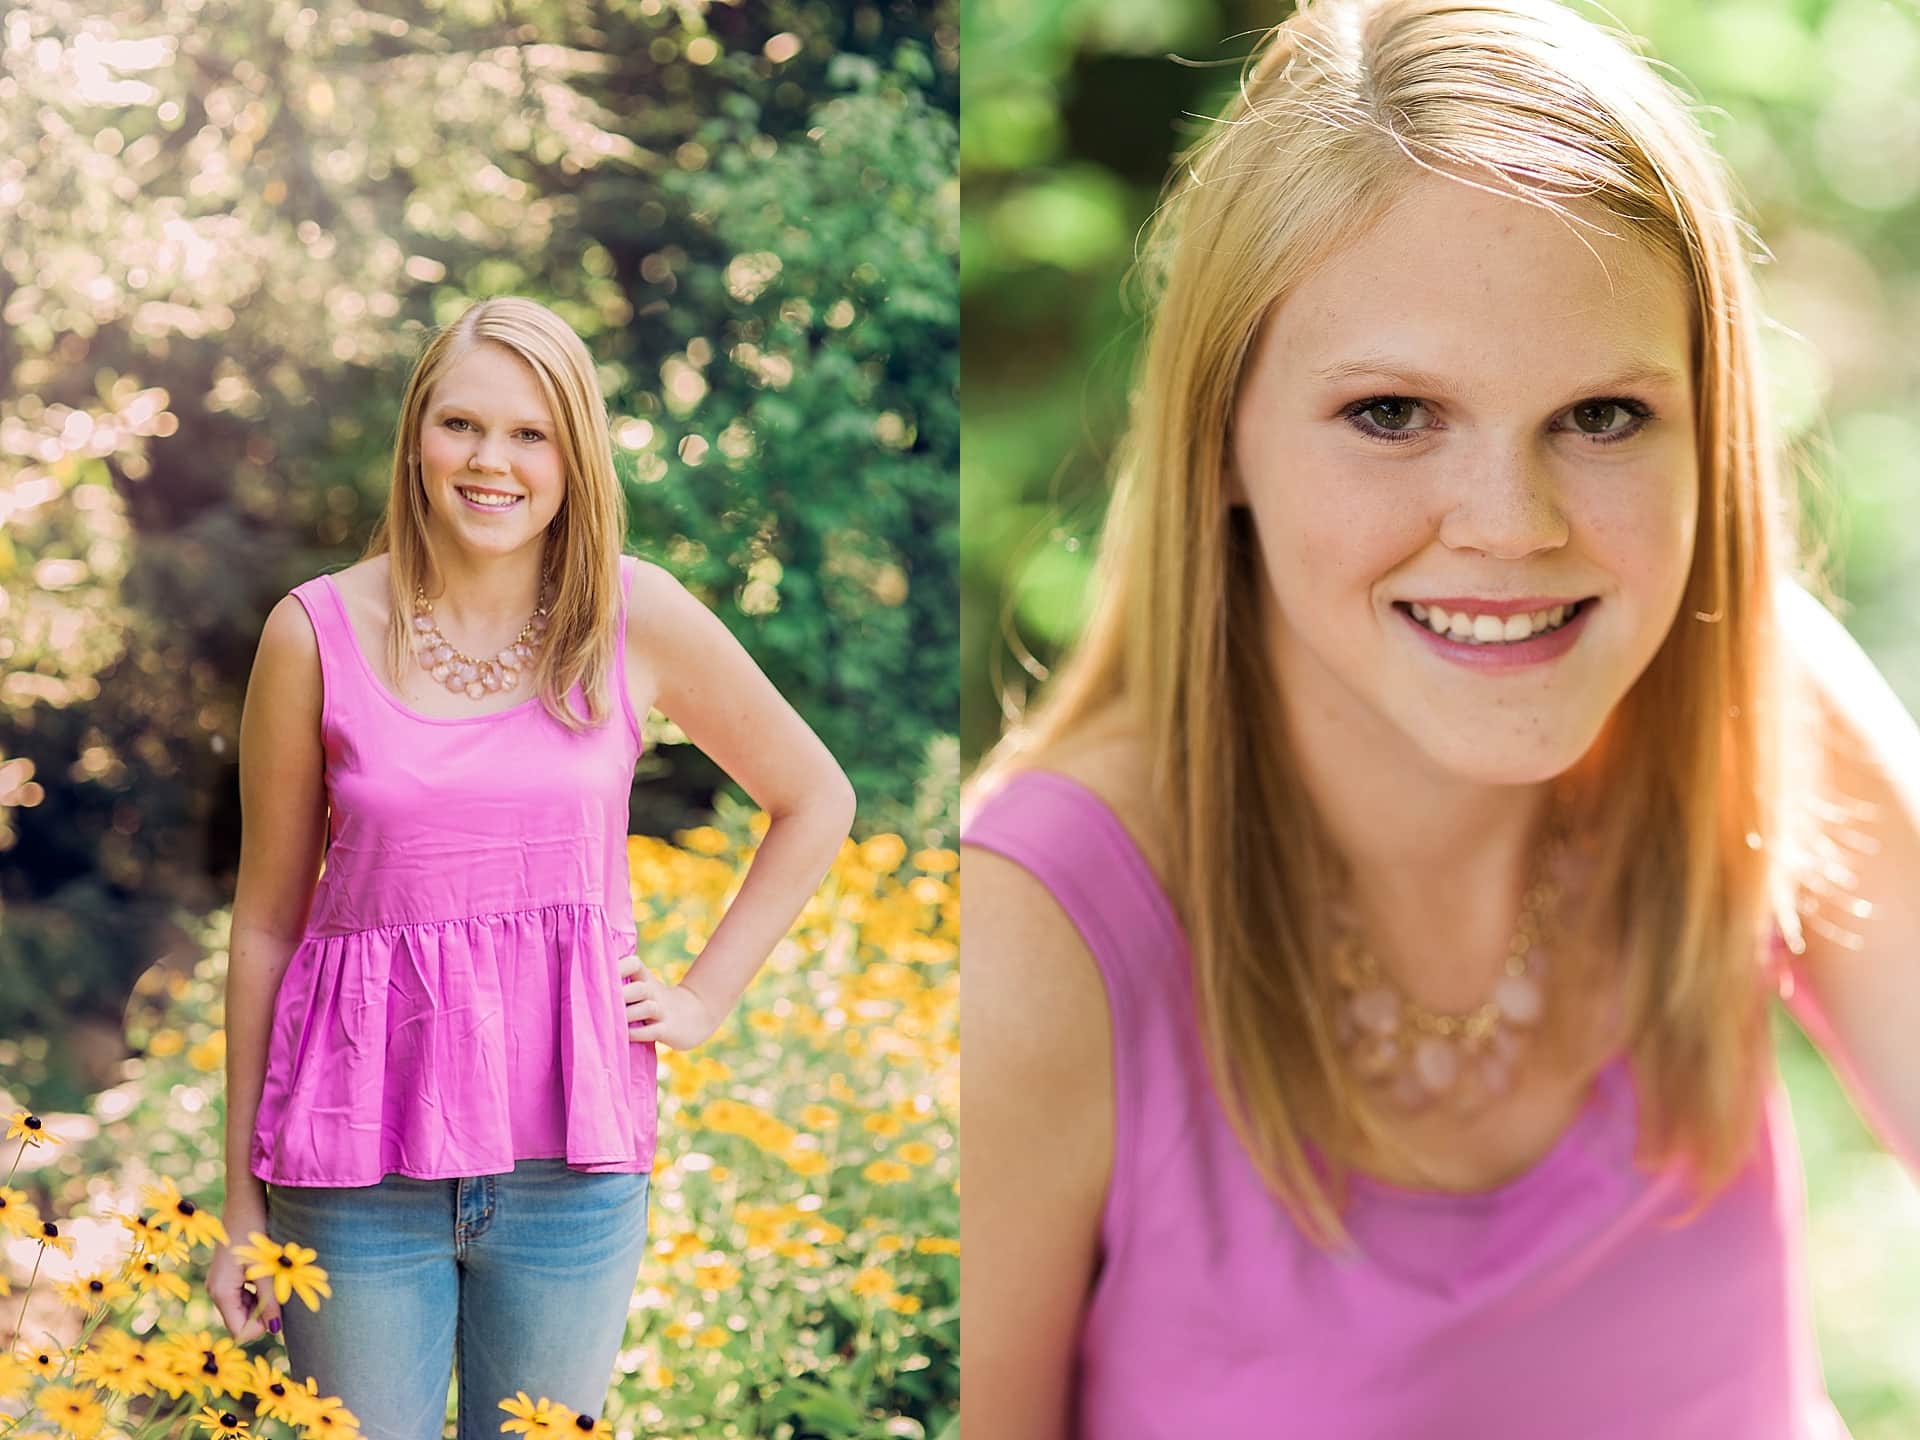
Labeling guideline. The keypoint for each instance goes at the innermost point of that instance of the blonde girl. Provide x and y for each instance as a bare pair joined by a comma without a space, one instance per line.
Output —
1369,932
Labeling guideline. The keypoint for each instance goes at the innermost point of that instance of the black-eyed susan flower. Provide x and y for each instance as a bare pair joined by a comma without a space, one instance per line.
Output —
275,1395
181,1215
115,1362
197,1359
43,1362
289,1266
153,1238
148,1274
536,1419
88,1291
76,1411
49,1235
326,1416
221,1424
25,1125
17,1212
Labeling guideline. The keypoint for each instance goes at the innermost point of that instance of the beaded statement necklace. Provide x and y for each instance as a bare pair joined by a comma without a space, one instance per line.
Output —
1423,1057
464,674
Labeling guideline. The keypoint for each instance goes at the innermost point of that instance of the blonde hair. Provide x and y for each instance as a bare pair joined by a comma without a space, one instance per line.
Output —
585,537
1694,837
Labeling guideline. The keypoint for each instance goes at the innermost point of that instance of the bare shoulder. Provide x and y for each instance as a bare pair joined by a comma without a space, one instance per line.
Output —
656,599
1110,759
364,584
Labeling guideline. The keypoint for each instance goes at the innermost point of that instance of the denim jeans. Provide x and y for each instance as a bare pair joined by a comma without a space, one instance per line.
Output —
516,1282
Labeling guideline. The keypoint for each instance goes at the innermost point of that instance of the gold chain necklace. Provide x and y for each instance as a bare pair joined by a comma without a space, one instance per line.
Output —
464,674
1421,1057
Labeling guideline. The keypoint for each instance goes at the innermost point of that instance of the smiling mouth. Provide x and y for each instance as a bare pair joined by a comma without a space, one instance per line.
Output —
488,499
1472,630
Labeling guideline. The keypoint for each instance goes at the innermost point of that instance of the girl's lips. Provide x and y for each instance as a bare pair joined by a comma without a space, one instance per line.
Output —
1534,650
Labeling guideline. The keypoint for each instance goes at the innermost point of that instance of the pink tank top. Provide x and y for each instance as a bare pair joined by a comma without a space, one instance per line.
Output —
1558,1303
454,1005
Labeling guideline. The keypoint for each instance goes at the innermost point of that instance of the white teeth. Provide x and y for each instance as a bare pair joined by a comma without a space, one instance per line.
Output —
495,502
1490,629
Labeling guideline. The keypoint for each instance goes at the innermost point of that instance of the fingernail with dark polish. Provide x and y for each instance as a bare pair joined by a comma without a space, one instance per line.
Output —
274,1324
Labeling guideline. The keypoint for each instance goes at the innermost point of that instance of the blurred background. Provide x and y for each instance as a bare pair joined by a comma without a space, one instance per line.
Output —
224,228
1071,113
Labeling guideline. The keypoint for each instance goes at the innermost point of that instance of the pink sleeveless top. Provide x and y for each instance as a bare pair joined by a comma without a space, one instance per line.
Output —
454,1005
1560,1303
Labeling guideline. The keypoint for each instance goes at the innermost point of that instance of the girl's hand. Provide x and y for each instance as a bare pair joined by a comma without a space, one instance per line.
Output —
670,1014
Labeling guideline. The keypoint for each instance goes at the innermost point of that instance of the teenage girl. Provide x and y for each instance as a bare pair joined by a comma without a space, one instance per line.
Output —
1369,933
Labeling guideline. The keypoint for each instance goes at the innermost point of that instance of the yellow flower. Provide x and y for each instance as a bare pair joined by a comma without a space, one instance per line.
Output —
819,1117
676,1330
874,1280
927,890
163,1043
937,1245
221,1424
806,1162
289,1266
73,1410
905,1304
716,1277
887,1172
17,1212
49,1234
886,1126
25,1125
883,853
702,840
531,1418
211,1053
711,1338
181,1215
916,1152
936,862
85,1292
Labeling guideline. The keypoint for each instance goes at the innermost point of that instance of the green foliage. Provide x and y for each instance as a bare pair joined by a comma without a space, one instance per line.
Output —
229,226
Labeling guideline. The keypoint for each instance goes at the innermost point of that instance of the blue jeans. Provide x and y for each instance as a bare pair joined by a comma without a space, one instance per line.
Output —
522,1281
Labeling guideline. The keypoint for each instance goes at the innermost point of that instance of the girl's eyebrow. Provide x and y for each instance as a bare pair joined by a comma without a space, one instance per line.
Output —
1629,375
446,405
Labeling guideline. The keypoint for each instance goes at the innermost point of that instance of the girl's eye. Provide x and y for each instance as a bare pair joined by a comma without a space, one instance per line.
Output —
1604,420
456,420
1385,417
1612,419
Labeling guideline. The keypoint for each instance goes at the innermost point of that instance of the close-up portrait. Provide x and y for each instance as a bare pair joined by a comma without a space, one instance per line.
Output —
1440,794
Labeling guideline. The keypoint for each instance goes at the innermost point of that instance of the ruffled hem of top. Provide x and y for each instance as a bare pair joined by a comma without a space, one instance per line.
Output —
454,1048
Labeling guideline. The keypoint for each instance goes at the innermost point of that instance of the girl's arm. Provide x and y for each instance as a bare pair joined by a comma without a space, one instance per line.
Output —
283,812
704,681
1856,990
1036,1121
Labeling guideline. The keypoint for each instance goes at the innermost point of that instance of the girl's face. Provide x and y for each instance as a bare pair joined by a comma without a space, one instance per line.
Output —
1467,406
486,431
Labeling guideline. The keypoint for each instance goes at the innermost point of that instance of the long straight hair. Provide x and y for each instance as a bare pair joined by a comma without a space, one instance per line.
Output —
586,535
1695,833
